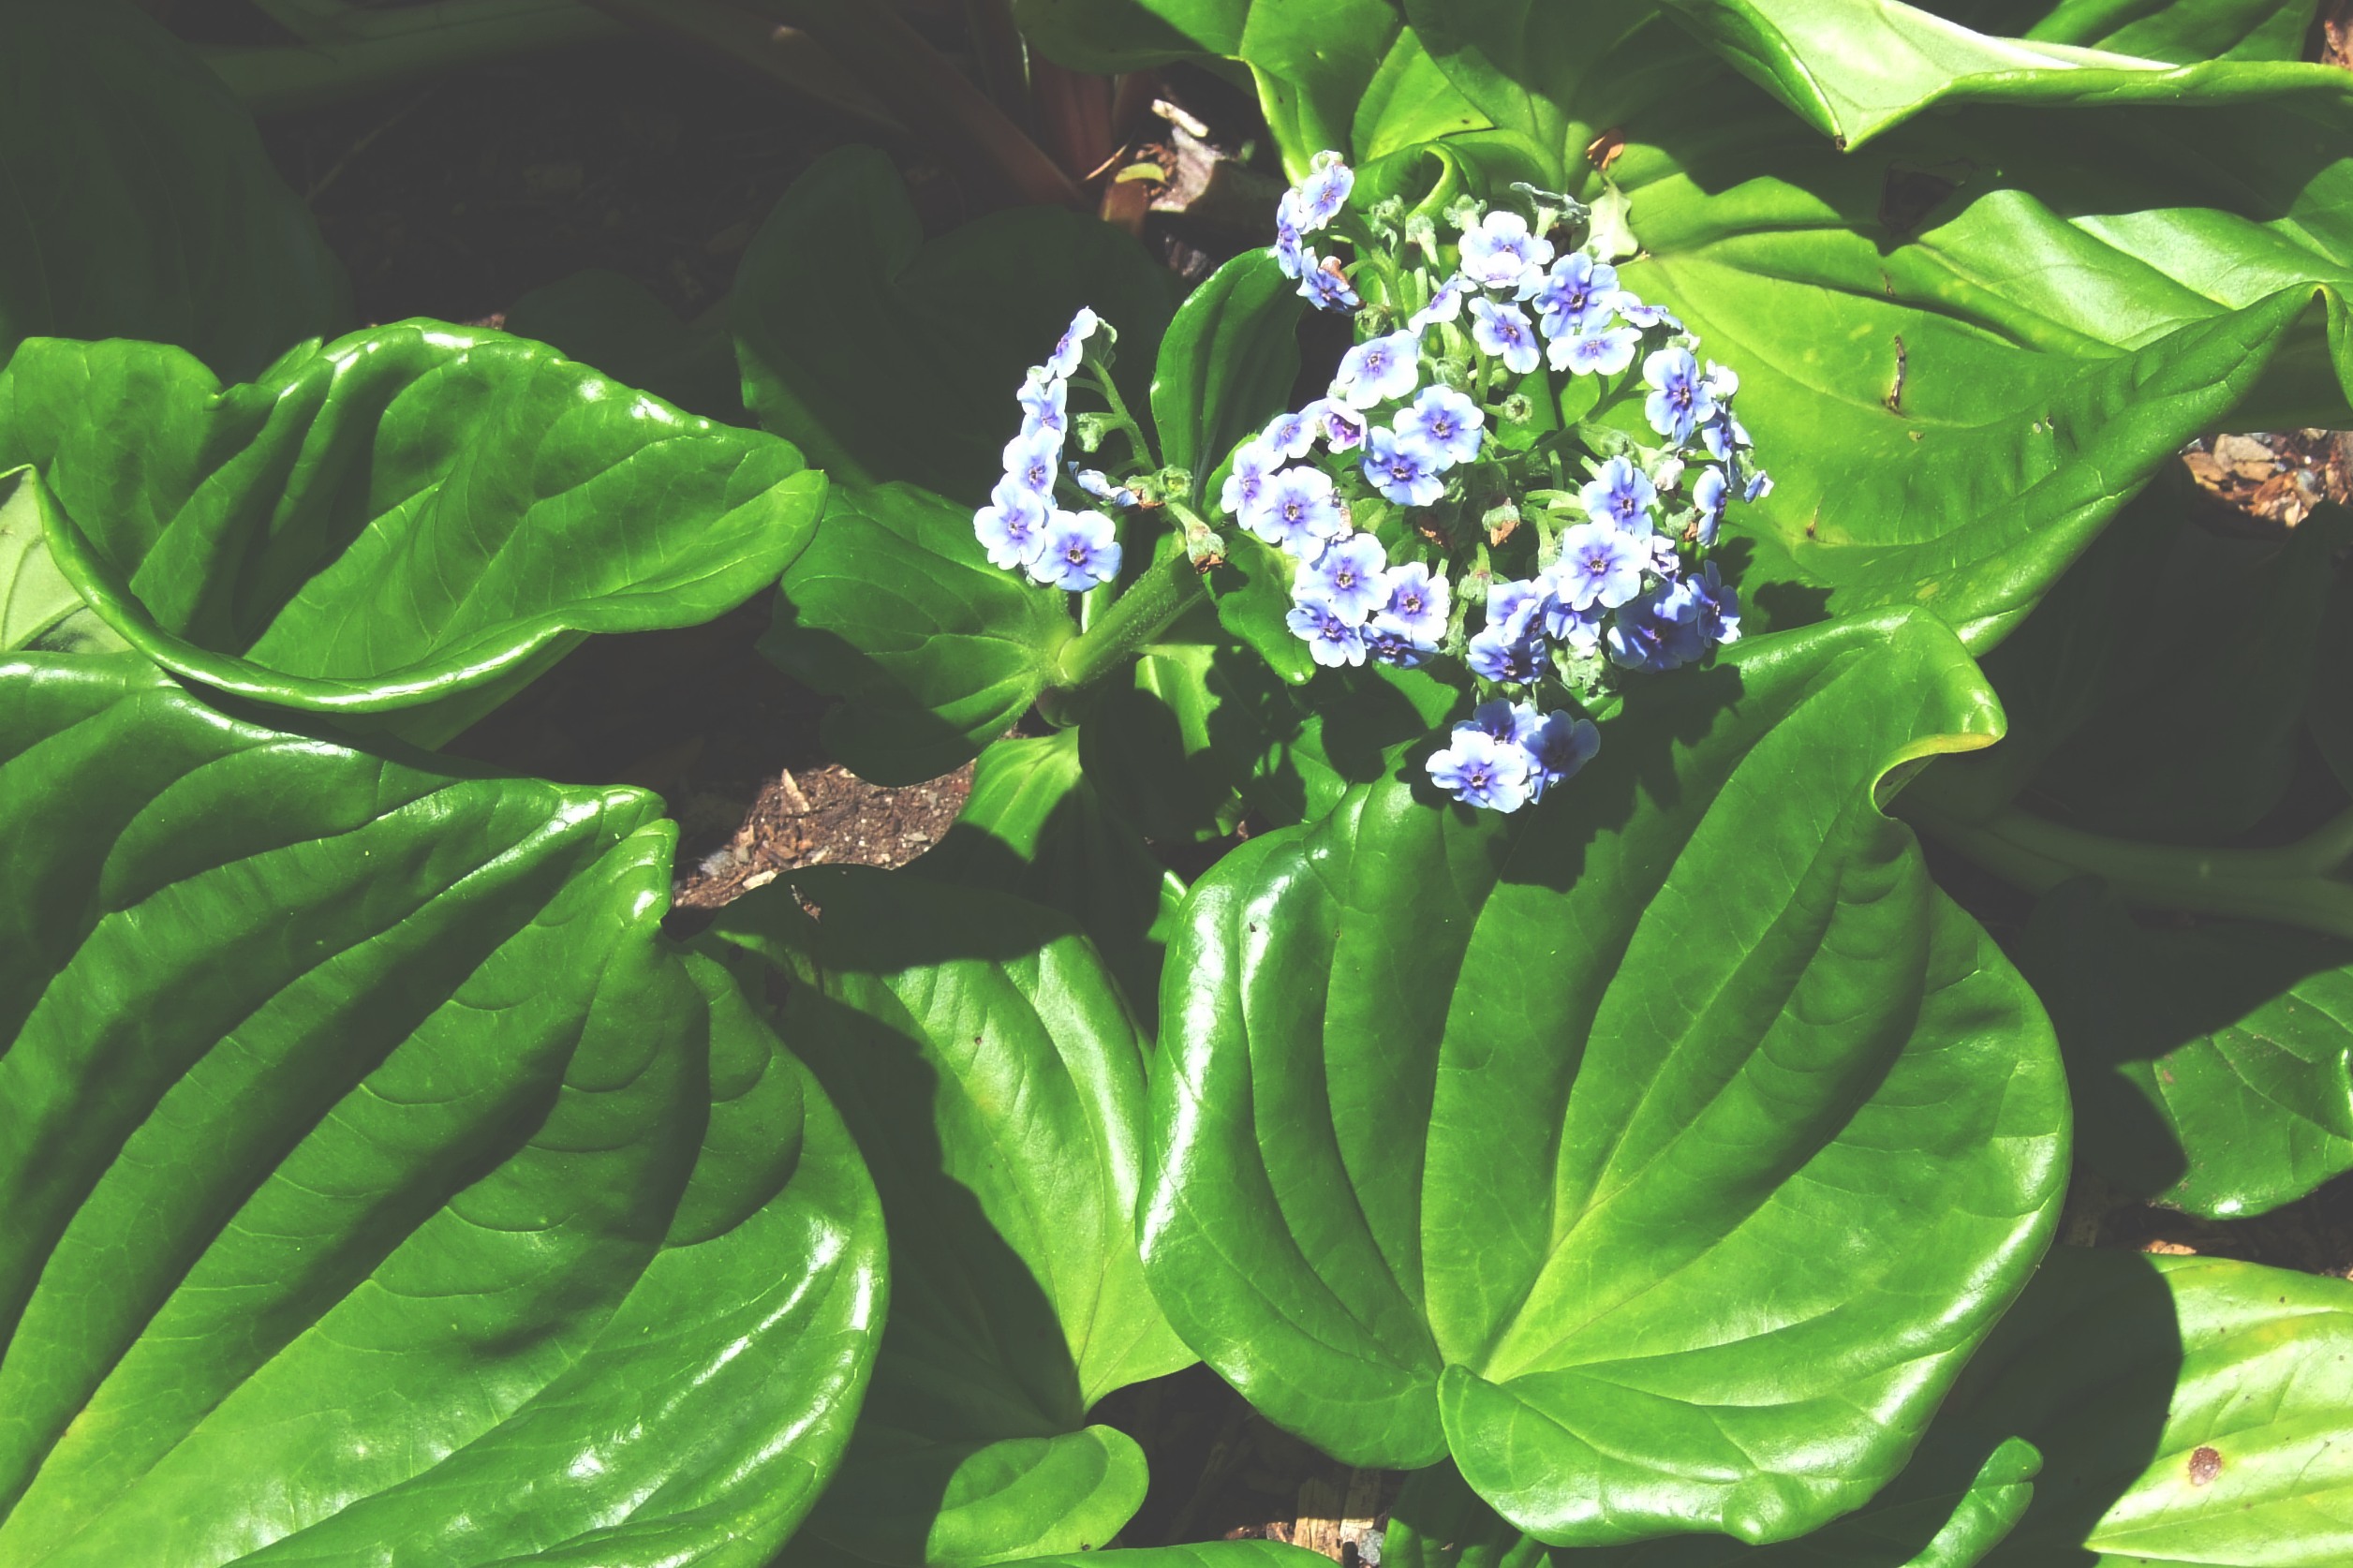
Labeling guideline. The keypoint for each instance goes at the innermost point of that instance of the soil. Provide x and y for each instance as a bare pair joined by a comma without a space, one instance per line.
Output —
455,199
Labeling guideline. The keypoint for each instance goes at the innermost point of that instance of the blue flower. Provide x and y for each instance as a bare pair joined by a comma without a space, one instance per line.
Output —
1323,285
1291,252
1578,631
1291,436
1321,193
1012,525
1665,557
1246,477
1502,331
1097,484
1387,646
1642,316
1379,369
1341,428
1416,608
1445,421
1498,252
1297,510
1044,406
1657,630
1502,652
1680,399
1404,471
1030,462
1331,639
1575,296
1064,361
1600,565
1603,352
1620,494
1513,606
1558,744
1759,485
1479,770
1080,549
1444,306
1709,494
1715,608
1349,577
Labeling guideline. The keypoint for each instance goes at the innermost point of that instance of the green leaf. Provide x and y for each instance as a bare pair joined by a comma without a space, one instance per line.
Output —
39,608
617,325
1488,1136
885,357
412,521
895,608
994,1080
381,1185
1036,826
2212,1068
1854,68
1960,351
141,203
1310,59
2074,1437
2177,30
1226,365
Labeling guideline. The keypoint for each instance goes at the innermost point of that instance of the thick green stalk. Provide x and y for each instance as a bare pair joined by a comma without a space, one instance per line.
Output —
1165,591
2292,885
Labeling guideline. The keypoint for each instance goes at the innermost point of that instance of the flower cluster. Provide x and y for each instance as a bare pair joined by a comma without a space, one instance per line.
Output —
1517,472
1022,526
1403,448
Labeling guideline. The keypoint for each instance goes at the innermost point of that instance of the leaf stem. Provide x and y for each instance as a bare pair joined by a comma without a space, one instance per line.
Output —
1166,590
2290,885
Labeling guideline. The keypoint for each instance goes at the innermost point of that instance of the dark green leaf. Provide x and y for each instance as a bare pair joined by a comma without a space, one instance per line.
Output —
140,202
2329,711
410,522
995,1082
617,325
1036,826
1252,588
885,357
1488,1135
380,1186
1226,365
2212,1068
895,608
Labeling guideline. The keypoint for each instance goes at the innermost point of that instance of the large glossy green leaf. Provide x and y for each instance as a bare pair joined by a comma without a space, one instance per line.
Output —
140,202
2074,1439
2212,1068
1310,59
380,1186
408,522
1659,1153
1854,68
994,1079
39,609
889,358
2177,30
1960,349
895,608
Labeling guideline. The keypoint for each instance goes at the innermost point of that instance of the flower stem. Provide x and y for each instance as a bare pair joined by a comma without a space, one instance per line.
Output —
1166,590
1139,452
2290,885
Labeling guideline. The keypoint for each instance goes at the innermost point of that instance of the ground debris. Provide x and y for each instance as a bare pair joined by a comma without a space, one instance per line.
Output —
2274,478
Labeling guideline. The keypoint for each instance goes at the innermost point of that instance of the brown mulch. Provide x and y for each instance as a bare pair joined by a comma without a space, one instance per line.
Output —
829,815
2274,477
